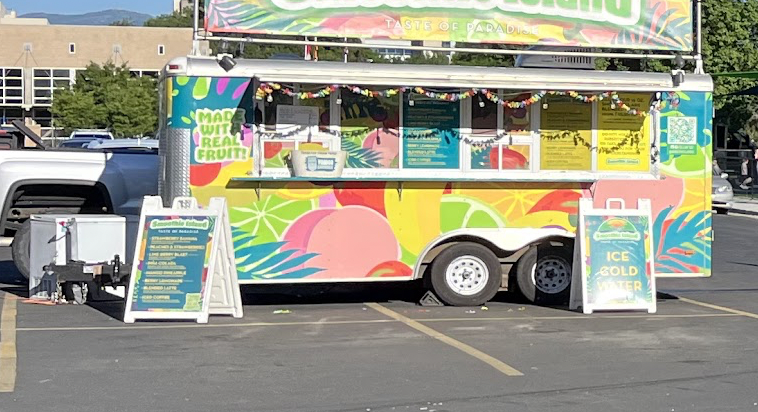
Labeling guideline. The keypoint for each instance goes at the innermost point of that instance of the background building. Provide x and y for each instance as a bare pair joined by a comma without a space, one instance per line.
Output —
180,5
36,58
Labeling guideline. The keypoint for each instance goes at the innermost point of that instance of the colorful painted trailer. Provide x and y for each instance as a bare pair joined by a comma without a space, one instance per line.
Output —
466,177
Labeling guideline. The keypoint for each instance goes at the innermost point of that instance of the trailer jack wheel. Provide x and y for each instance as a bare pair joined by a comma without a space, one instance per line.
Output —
71,292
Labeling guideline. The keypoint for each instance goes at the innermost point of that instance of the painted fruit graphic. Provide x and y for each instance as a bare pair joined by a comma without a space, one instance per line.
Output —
271,149
560,201
349,242
384,142
415,218
663,193
511,159
369,194
204,174
390,269
457,212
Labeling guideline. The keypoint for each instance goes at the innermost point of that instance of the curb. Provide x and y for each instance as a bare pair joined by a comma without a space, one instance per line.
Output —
743,211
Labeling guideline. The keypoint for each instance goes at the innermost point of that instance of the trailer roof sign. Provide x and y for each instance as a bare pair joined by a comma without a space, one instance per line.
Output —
622,24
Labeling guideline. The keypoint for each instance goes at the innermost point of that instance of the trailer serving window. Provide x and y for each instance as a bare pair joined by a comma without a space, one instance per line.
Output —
370,130
503,134
288,124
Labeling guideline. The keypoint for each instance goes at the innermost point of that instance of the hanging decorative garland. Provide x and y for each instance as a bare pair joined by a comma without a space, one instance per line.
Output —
631,140
265,90
408,134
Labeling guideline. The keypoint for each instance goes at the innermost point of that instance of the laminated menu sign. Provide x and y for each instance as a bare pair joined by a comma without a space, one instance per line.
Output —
615,257
173,264
430,134
624,139
182,267
565,133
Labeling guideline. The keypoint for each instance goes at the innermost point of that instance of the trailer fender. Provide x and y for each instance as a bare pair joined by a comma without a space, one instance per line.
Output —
506,239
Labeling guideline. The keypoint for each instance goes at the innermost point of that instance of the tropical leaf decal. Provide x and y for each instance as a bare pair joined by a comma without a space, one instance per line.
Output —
359,157
677,31
684,246
267,260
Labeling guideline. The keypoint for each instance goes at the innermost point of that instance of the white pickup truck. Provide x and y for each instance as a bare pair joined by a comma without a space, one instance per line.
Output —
36,180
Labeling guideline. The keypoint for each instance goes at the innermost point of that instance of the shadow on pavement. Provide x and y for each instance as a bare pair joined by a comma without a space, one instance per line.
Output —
11,280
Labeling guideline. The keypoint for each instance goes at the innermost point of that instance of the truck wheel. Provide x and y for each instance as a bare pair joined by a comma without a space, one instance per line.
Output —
544,274
466,274
20,248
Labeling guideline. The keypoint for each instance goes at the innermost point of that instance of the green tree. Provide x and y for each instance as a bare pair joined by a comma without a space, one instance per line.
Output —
730,44
484,60
176,19
426,58
267,51
109,97
123,22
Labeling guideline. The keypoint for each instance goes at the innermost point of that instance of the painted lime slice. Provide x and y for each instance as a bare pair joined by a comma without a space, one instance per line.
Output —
267,219
458,212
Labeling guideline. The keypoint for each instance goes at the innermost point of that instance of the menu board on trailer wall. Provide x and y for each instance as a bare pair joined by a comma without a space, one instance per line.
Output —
623,139
565,133
431,137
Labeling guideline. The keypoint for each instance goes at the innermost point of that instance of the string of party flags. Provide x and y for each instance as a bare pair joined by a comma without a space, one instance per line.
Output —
265,90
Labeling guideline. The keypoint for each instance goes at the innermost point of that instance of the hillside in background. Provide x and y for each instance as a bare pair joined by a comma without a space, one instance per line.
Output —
98,18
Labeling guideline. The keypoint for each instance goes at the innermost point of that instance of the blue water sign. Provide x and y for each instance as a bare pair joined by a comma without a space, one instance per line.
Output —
616,258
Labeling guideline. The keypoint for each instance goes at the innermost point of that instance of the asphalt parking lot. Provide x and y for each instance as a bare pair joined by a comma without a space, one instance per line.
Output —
376,350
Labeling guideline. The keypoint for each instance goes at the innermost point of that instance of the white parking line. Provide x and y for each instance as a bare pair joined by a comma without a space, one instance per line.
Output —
721,308
489,360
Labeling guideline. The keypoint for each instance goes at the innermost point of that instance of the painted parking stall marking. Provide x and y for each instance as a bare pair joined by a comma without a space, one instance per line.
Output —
8,357
495,363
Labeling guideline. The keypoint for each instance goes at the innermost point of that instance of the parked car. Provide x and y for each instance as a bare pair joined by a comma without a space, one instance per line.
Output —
91,134
38,180
79,142
721,193
132,144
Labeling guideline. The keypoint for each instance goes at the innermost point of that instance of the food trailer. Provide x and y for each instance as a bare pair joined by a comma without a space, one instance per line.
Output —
466,177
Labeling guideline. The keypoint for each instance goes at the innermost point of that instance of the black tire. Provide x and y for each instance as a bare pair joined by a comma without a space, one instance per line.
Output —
722,211
557,259
476,262
20,248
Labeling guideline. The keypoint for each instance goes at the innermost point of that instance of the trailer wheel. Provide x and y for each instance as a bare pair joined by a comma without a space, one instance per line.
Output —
466,274
20,247
544,274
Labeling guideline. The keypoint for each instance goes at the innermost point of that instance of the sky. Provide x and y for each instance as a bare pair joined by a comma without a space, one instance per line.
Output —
152,7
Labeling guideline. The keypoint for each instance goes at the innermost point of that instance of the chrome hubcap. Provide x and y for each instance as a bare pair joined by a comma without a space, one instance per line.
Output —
467,275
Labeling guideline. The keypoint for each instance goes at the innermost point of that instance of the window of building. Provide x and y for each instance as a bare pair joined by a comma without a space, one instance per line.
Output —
11,85
46,81
43,117
72,48
7,115
161,50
